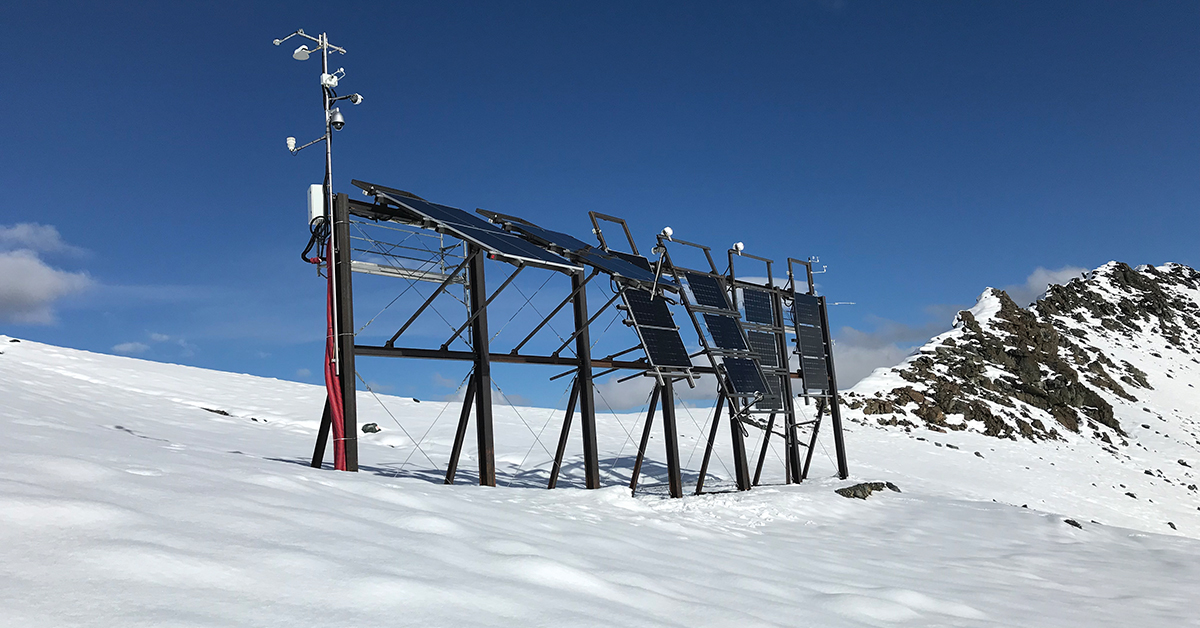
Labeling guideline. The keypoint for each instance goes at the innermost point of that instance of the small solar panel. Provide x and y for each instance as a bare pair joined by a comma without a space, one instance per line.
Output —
758,306
816,375
744,376
774,399
636,260
547,237
470,227
811,342
707,291
806,310
764,347
617,266
648,311
725,332
664,347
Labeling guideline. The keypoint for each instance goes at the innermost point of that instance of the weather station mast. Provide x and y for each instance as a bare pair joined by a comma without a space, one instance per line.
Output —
329,228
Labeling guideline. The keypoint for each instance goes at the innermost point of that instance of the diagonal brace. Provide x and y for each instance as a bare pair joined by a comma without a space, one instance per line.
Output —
449,278
546,320
584,327
478,311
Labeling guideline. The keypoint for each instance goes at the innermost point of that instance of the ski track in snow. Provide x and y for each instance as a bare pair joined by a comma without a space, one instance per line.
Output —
124,502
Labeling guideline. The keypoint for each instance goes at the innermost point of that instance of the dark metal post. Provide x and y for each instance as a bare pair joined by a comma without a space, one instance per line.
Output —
712,440
741,468
762,456
483,368
835,412
587,400
322,436
344,316
460,435
566,433
674,479
791,440
637,465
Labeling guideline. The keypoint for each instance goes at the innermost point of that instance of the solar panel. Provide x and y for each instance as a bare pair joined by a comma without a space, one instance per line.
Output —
664,347
707,291
744,376
547,237
811,342
725,332
806,310
617,266
816,375
636,260
764,347
758,306
774,399
647,311
471,228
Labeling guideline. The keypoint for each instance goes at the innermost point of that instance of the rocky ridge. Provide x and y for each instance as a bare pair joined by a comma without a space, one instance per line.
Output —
1093,358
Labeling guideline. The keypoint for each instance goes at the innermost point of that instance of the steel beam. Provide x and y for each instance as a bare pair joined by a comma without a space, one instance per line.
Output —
671,436
712,439
587,399
322,436
835,412
564,436
477,288
460,434
641,455
344,313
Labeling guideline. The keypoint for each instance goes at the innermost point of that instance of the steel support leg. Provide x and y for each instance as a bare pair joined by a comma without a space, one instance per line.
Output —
322,436
712,440
641,455
460,434
741,468
587,401
566,433
674,479
345,327
762,456
483,369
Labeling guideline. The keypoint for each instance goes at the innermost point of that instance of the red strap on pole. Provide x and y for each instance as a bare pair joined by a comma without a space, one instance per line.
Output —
333,386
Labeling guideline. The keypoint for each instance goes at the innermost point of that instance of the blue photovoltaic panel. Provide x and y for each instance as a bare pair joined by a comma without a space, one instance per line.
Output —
725,332
636,260
647,311
617,266
816,374
772,400
707,291
471,228
758,306
811,342
546,237
764,347
664,347
744,376
806,310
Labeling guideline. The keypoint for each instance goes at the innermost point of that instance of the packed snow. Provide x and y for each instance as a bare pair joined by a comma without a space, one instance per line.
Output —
135,493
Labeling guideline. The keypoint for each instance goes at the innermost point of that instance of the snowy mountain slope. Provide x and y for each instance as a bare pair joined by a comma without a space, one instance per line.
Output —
123,501
1099,378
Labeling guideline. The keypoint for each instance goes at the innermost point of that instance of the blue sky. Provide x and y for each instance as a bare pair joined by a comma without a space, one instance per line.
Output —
924,150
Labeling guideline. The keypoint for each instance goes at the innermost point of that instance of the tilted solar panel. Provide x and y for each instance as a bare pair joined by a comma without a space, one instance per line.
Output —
806,310
764,347
647,311
707,291
758,306
664,347
472,228
547,237
811,342
725,332
774,399
816,373
617,266
744,376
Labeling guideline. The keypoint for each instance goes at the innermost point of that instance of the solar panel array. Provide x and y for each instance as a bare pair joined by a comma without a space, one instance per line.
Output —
608,262
471,228
810,338
758,306
656,327
707,291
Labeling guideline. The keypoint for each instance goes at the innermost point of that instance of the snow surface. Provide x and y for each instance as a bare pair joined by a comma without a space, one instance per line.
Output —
124,502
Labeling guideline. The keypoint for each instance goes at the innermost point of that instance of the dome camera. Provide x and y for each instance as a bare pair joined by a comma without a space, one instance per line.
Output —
336,120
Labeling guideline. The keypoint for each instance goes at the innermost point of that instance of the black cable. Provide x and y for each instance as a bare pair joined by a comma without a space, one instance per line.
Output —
319,228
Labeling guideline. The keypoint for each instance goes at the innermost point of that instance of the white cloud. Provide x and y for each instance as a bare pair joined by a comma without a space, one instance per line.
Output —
856,353
34,237
131,348
29,287
303,373
1039,280
159,337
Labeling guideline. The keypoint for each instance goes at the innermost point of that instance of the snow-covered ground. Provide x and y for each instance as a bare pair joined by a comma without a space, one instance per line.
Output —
125,500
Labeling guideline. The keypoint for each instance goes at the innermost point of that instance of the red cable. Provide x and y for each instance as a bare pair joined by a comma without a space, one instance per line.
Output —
333,386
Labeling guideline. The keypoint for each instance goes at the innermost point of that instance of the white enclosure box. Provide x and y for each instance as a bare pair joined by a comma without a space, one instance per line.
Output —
316,202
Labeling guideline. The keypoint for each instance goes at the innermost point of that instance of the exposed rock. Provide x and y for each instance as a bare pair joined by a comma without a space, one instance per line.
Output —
864,489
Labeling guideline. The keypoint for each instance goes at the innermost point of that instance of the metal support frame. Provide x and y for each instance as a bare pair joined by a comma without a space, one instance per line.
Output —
641,455
671,436
712,439
564,436
835,412
587,402
483,367
460,434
